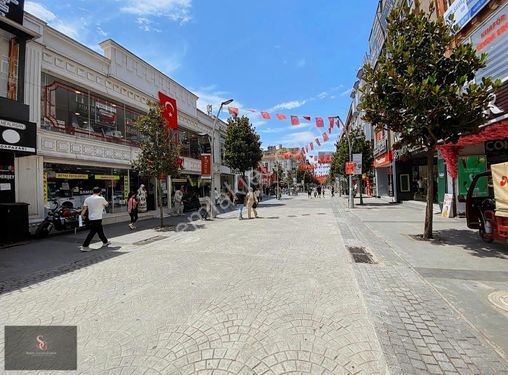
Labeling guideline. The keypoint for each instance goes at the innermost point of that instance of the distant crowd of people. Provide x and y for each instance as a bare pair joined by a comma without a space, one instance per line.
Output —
319,191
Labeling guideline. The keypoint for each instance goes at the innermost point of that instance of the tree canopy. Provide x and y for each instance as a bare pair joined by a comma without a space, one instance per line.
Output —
242,145
423,88
359,145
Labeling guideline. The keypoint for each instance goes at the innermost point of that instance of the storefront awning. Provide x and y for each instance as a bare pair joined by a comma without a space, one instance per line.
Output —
384,160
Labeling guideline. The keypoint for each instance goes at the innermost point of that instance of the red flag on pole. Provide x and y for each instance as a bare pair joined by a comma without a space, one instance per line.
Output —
170,113
317,142
311,146
306,118
330,131
319,122
325,137
233,111
306,148
295,121
332,121
265,115
303,151
280,116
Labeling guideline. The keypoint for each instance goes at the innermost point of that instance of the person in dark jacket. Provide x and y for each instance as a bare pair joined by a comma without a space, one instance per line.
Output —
240,202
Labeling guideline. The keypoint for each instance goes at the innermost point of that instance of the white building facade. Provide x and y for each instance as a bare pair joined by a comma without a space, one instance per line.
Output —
84,105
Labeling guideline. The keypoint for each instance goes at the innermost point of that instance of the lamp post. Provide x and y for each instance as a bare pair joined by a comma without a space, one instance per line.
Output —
351,201
212,192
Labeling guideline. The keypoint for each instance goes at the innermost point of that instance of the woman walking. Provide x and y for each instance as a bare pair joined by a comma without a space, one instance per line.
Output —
251,203
132,208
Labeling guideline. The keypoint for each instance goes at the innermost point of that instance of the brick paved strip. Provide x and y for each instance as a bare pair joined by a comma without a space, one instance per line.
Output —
418,330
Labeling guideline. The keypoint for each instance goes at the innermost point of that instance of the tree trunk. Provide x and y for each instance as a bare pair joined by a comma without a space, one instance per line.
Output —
427,234
159,201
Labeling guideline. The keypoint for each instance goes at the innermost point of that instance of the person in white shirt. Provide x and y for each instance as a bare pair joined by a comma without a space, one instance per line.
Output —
95,204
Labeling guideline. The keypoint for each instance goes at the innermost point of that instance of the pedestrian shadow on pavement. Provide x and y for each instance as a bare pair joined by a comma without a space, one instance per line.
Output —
470,241
85,260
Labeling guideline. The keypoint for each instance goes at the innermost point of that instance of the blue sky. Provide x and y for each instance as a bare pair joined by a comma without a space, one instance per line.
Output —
297,57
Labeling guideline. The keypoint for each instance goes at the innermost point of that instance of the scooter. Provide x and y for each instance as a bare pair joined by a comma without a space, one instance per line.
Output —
61,217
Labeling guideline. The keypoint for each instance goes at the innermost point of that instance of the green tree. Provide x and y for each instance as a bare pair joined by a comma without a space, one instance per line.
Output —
422,89
242,145
159,153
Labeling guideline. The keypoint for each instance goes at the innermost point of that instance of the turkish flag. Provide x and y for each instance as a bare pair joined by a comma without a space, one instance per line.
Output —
233,111
319,122
332,121
303,151
280,116
306,118
170,113
265,115
311,146
325,137
317,142
330,131
295,121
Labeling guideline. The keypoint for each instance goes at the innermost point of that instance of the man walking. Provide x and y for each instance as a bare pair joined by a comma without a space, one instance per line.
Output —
95,204
240,201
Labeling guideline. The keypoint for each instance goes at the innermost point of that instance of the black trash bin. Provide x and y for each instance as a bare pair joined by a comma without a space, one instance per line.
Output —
13,223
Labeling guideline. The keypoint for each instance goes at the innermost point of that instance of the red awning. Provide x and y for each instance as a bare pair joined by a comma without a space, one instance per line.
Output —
383,160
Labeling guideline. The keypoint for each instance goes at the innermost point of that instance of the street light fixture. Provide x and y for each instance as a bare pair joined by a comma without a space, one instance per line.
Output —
212,198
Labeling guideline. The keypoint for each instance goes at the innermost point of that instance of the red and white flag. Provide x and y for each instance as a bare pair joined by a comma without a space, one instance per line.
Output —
306,148
170,113
311,146
332,121
306,118
233,111
317,142
281,116
325,137
265,115
295,121
319,122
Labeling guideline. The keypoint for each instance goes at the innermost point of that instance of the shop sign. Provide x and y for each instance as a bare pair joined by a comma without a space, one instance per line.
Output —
45,187
350,167
496,147
357,161
492,38
470,166
18,136
12,9
192,165
106,177
463,11
126,187
447,205
206,165
71,176
383,161
380,147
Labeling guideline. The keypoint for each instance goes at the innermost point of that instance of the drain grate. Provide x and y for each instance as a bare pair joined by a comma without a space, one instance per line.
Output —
360,255
149,240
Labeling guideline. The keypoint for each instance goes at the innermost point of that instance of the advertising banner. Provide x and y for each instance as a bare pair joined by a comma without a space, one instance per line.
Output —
71,176
106,177
357,161
18,136
206,166
350,167
500,182
492,38
463,11
470,166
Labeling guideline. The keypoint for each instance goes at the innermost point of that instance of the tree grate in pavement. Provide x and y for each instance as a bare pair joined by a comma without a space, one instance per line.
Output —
360,255
149,240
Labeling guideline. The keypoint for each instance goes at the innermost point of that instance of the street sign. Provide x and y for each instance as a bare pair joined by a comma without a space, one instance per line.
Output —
357,161
350,167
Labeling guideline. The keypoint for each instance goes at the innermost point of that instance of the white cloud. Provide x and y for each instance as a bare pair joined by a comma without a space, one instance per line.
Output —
40,11
147,25
298,138
208,95
176,10
100,31
346,92
68,28
301,63
288,105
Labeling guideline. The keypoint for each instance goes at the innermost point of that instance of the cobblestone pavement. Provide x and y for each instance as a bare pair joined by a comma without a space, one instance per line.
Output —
267,296
420,333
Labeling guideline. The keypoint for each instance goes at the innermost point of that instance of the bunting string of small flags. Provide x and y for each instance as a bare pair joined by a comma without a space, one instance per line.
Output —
333,121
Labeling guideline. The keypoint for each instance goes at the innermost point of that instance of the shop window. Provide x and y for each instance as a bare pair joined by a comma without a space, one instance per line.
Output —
9,56
74,183
74,110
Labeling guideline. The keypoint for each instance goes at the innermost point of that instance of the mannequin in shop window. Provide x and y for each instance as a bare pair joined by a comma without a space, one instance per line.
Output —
142,199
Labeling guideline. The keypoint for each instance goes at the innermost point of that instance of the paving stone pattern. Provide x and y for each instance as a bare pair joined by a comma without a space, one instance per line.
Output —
419,332
276,295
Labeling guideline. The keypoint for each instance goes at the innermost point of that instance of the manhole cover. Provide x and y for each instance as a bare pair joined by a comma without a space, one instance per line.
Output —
149,240
499,299
360,255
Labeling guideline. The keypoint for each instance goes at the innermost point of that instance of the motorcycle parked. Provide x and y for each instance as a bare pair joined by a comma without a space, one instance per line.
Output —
60,218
